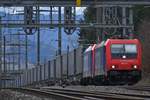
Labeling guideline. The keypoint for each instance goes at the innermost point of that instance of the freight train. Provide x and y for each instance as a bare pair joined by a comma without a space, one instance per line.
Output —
112,61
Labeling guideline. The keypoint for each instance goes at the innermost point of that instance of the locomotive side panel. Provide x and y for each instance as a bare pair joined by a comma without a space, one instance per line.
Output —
79,61
100,61
87,64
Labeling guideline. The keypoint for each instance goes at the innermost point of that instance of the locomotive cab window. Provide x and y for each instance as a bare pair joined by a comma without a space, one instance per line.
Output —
123,51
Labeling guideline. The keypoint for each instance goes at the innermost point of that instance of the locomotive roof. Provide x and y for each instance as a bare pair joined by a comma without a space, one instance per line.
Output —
121,41
100,44
88,49
92,47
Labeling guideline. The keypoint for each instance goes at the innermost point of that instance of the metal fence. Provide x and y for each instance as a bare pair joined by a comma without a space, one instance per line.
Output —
68,67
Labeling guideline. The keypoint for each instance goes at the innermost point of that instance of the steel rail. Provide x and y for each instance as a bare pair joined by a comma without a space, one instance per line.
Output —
139,88
98,94
101,93
73,95
46,94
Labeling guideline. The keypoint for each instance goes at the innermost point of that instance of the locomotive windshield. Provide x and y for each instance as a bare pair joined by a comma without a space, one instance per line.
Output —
124,51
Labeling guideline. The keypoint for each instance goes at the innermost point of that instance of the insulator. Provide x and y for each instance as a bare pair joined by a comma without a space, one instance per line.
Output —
69,17
29,20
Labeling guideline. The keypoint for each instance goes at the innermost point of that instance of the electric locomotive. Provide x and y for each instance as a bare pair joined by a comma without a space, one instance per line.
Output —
111,62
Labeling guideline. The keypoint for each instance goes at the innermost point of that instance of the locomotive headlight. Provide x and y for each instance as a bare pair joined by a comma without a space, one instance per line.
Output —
113,66
135,66
124,57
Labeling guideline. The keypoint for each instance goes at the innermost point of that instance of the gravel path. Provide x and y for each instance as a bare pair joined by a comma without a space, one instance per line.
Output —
12,95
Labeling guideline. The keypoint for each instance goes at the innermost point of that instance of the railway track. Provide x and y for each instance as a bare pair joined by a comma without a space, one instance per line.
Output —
70,94
104,94
139,88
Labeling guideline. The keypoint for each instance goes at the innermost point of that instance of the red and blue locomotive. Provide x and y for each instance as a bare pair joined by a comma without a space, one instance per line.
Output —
112,61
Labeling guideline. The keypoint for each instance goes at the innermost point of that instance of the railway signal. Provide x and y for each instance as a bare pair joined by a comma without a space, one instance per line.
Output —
78,3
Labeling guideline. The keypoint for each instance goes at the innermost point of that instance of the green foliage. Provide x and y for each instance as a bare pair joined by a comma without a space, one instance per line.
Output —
90,15
88,35
140,13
